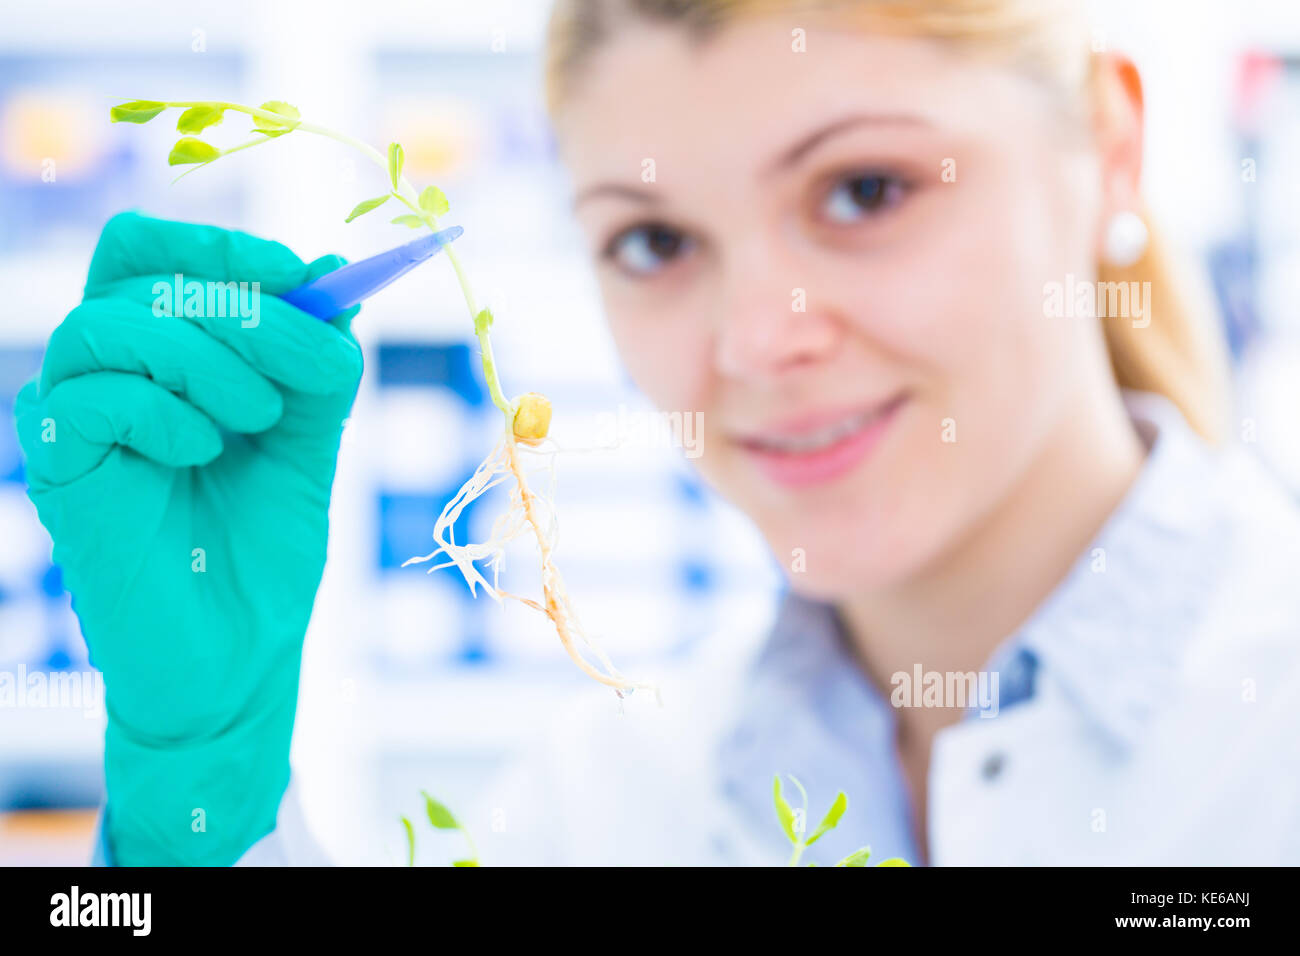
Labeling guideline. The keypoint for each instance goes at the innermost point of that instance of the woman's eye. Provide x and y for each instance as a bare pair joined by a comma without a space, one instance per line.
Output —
645,250
858,197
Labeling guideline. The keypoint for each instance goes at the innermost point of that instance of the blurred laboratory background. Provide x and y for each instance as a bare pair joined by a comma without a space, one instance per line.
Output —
409,682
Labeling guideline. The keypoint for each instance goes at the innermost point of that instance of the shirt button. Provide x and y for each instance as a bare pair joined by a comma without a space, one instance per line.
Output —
993,766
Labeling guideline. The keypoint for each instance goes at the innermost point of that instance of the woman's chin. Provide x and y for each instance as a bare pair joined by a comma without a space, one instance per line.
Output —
830,550
835,573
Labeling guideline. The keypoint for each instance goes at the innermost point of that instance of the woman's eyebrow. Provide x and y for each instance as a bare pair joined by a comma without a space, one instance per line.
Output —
785,160
814,139
615,189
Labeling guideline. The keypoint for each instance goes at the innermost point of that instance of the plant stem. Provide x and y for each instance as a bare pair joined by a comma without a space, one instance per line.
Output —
406,193
473,850
803,821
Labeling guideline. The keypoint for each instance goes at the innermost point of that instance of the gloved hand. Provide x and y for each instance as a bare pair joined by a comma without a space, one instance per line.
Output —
183,467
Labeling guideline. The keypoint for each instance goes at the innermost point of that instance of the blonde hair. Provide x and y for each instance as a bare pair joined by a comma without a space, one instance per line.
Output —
1179,353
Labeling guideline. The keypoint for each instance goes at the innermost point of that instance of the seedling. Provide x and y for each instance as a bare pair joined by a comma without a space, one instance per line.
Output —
794,826
441,819
526,420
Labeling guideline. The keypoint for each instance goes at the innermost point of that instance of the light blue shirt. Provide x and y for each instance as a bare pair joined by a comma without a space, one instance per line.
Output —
811,713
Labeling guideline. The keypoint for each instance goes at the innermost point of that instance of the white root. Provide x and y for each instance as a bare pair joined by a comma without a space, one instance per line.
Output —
528,512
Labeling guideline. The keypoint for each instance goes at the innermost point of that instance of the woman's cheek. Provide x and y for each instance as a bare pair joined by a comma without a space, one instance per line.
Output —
667,356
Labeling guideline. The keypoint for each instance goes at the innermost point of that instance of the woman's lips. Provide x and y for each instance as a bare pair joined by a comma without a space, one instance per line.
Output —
826,448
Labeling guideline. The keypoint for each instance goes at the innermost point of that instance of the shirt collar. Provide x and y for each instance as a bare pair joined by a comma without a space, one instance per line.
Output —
1115,630
1111,634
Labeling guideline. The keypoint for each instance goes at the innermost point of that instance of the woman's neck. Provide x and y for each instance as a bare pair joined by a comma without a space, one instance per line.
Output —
951,617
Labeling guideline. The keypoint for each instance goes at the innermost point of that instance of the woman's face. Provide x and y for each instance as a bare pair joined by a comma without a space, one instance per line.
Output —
838,257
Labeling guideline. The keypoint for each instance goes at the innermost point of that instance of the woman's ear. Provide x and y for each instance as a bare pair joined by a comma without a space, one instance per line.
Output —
1117,127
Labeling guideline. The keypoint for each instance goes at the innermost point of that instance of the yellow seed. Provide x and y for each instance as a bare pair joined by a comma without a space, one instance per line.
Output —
532,417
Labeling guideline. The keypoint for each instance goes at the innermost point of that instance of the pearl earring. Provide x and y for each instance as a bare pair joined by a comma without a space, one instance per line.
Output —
1126,239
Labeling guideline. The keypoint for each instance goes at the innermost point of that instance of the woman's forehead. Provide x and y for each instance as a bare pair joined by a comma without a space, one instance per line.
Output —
746,95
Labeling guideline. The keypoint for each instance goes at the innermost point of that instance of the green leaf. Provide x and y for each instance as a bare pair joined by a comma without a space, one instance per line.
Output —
396,159
410,841
784,812
270,127
856,858
415,222
188,150
198,118
466,863
482,321
361,208
136,111
433,201
832,817
894,861
439,815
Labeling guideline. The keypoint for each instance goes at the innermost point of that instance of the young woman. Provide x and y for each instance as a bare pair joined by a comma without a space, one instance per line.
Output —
854,236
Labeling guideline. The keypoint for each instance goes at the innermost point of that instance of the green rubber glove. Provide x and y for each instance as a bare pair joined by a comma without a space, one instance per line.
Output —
183,467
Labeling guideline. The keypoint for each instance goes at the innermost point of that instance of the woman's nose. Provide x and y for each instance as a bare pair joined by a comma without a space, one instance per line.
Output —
768,324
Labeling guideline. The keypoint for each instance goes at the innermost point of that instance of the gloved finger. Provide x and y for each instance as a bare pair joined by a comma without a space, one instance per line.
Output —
319,267
136,245
311,427
68,431
285,344
309,431
122,336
